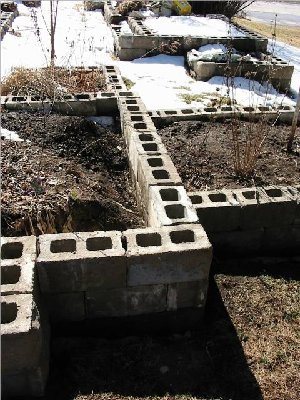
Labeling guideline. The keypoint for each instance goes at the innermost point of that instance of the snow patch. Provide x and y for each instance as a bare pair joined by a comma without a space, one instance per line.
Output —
10,135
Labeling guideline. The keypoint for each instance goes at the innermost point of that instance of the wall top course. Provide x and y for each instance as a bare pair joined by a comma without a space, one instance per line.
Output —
72,246
180,238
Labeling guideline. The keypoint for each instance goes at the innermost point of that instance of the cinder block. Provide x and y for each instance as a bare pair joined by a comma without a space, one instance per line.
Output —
72,262
187,294
130,54
149,134
283,240
137,148
167,255
129,301
24,338
65,306
138,41
18,256
239,242
271,206
217,210
82,104
106,103
170,205
155,171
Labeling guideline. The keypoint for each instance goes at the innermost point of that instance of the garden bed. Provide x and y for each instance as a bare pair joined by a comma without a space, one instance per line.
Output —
203,153
68,174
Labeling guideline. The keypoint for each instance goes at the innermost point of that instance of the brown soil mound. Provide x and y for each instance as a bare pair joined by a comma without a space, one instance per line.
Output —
72,176
203,153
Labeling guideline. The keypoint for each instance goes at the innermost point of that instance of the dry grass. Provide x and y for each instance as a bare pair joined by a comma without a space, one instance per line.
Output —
286,34
52,83
266,314
127,6
248,349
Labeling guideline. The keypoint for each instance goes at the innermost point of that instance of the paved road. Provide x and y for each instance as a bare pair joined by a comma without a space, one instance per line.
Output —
288,13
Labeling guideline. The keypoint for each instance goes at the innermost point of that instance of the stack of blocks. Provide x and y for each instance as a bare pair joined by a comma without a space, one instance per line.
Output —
113,274
24,326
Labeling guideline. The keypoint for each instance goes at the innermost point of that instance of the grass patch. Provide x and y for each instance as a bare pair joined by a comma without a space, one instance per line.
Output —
128,83
286,34
52,82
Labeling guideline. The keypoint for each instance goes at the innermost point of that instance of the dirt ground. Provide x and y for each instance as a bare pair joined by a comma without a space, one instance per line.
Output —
68,174
203,153
247,348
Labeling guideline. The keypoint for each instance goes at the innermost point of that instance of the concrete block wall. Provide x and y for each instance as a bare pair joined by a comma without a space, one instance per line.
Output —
251,221
113,274
278,113
24,324
152,171
275,71
144,41
7,19
110,14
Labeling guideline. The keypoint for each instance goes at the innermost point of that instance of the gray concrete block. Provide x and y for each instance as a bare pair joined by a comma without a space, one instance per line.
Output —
217,210
167,255
155,171
65,306
82,104
271,206
282,240
18,256
239,242
106,103
22,335
170,205
130,54
129,301
137,148
72,262
187,294
138,41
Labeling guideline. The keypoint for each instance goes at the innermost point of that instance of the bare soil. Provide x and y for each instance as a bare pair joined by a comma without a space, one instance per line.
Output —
68,174
247,348
203,153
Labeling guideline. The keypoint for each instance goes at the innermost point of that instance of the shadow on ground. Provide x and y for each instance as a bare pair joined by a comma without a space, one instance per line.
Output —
207,364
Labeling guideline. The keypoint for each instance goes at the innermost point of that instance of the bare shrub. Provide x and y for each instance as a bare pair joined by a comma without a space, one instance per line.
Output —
127,6
171,48
228,8
52,82
90,5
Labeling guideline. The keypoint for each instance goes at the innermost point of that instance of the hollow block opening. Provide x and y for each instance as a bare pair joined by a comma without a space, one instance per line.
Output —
10,274
150,146
155,162
185,236
274,192
9,312
148,239
11,250
175,211
63,246
169,194
161,174
217,197
98,243
146,137
196,199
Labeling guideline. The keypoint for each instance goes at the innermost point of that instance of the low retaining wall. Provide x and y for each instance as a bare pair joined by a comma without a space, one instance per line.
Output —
145,41
275,71
279,113
251,221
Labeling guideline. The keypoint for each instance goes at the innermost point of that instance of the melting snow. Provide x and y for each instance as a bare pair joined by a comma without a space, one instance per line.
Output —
192,26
